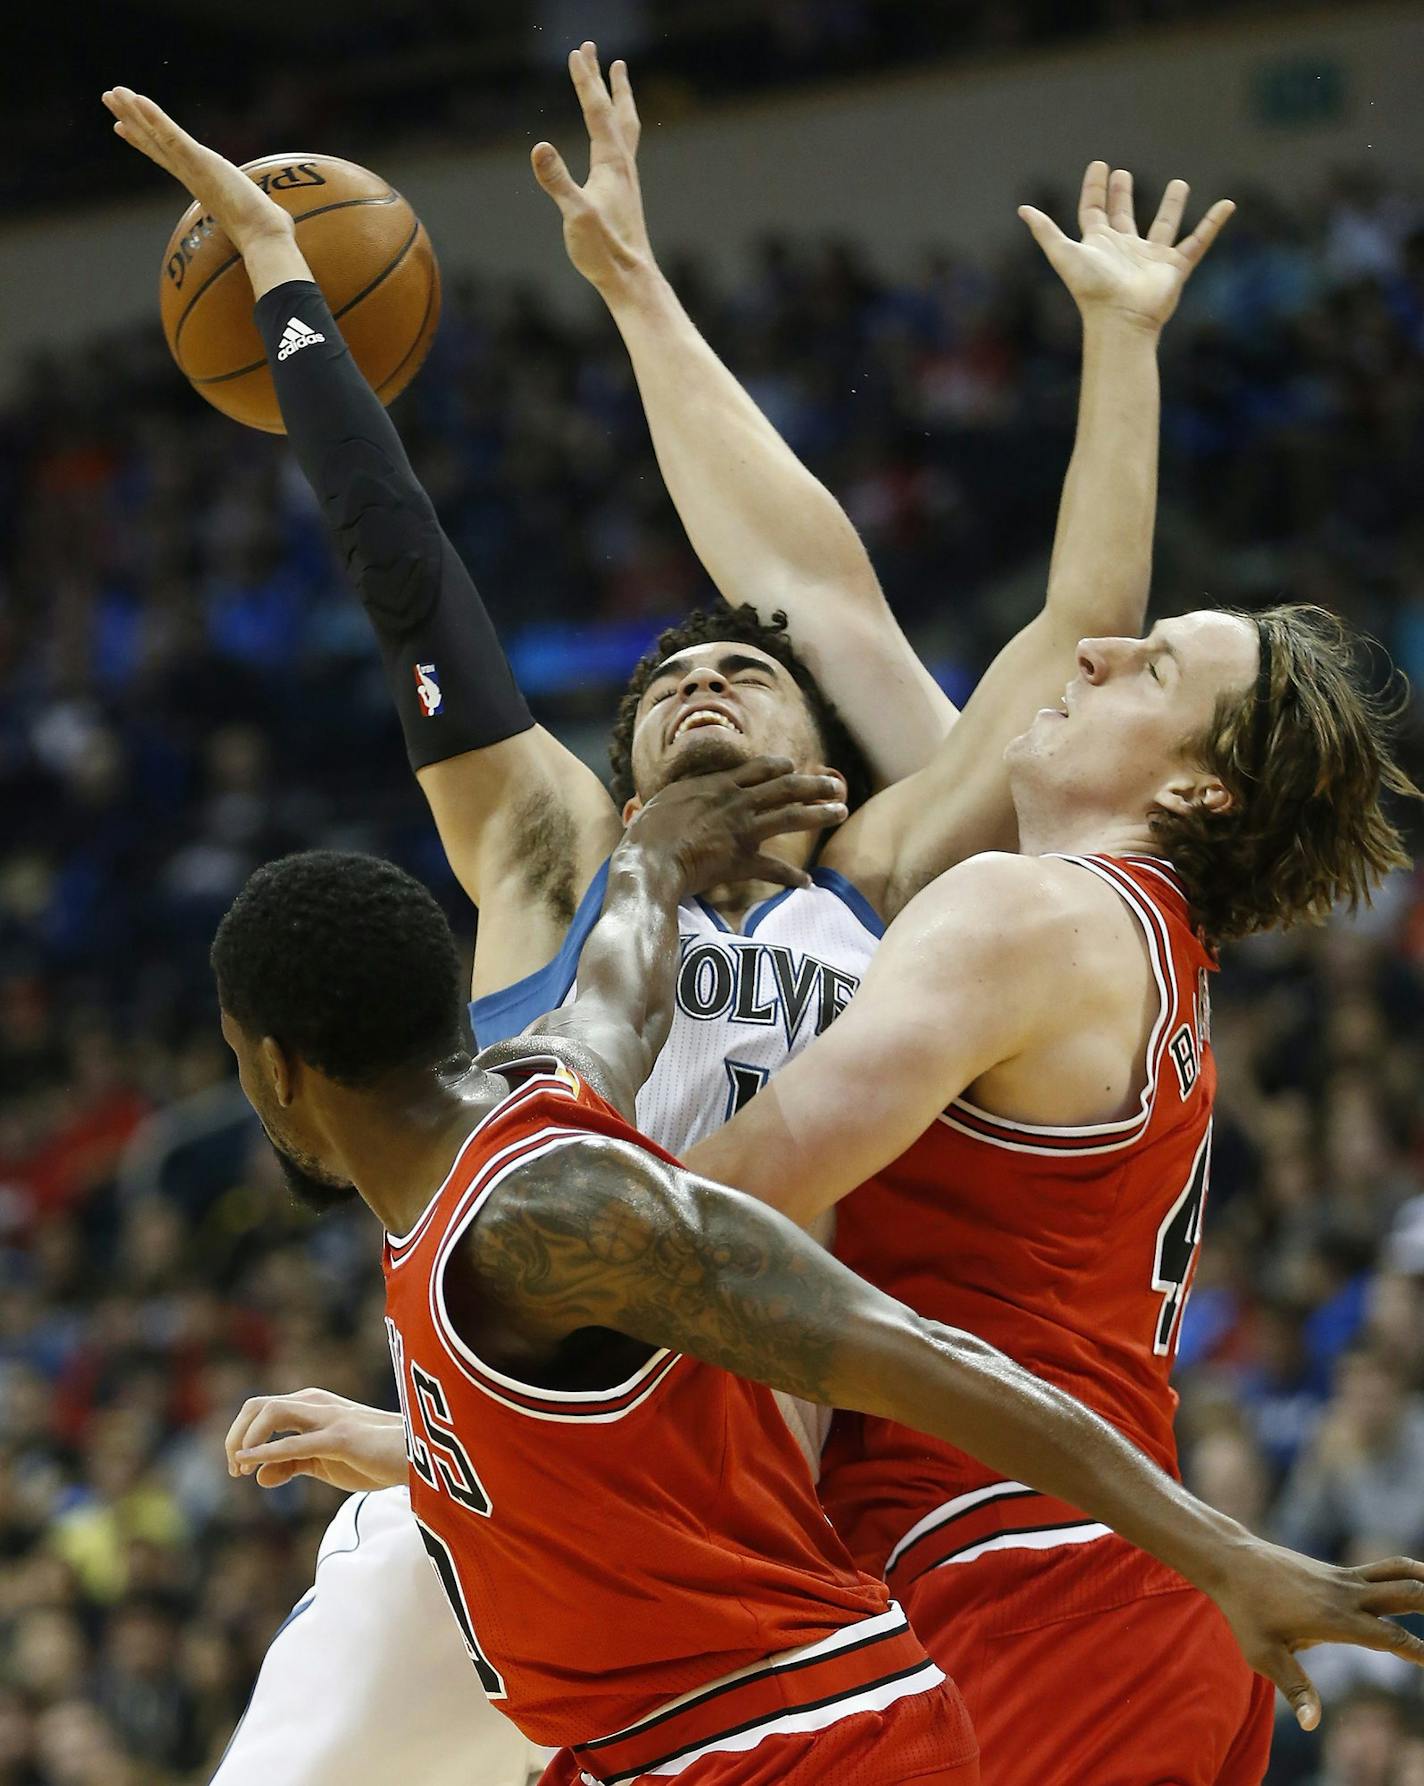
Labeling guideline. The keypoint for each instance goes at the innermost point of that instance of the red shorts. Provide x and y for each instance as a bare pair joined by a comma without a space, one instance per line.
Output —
1092,1663
922,1740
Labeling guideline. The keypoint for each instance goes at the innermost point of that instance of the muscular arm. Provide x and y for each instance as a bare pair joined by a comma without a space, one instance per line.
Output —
624,1006
968,978
600,1234
767,531
524,823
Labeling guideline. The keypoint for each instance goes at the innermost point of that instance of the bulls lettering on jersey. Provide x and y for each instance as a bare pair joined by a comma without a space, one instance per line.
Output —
747,1001
607,1551
1072,1250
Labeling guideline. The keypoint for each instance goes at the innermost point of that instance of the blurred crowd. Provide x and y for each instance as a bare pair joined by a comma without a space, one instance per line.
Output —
186,689
358,75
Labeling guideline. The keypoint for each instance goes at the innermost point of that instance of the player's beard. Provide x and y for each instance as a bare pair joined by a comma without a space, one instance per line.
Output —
309,1186
705,750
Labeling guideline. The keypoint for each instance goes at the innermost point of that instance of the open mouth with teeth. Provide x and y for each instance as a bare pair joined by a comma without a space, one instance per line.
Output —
700,720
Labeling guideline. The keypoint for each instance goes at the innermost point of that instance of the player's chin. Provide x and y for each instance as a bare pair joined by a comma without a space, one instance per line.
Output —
704,751
1025,745
1044,734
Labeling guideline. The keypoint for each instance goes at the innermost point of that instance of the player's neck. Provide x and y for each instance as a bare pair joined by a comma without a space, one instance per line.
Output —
1063,833
734,899
398,1143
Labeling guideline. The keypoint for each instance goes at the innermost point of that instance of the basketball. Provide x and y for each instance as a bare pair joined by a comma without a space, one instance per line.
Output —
369,253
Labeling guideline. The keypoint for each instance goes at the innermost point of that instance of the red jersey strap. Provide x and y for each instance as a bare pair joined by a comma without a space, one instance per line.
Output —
999,1516
1102,1137
866,1666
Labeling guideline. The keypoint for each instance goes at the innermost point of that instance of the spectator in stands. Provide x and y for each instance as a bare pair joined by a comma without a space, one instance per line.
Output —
1358,1483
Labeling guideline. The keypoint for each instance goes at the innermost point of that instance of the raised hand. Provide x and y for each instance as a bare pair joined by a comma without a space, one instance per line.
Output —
605,231
1114,268
713,826
340,1442
236,204
1278,1602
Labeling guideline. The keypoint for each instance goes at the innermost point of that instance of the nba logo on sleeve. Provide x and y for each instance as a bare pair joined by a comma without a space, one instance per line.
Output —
428,688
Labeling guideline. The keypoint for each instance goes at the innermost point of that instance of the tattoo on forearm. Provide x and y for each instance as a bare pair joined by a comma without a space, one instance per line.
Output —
596,1236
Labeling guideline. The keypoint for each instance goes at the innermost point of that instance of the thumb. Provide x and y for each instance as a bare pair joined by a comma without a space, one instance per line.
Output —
553,175
1298,1689
1043,229
274,1475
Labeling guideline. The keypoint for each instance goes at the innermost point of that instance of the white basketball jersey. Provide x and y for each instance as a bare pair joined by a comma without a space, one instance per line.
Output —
746,1001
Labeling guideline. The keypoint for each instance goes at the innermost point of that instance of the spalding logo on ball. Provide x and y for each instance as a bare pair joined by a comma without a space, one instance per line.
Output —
369,253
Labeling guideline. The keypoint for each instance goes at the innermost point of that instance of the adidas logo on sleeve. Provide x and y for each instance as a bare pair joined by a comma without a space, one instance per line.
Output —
295,337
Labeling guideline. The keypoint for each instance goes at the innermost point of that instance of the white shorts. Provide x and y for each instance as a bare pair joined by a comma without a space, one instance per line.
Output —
368,1682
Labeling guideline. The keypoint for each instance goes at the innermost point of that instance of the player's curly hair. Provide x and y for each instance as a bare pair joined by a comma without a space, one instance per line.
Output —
345,960
1306,756
742,626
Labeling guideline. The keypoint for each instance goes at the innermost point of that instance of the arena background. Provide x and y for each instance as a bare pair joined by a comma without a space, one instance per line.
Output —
187,689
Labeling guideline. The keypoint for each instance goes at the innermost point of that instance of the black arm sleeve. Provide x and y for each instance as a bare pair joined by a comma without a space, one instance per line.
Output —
453,687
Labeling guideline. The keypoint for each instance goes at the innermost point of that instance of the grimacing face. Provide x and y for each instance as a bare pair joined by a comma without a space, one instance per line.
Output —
714,706
303,1174
1116,742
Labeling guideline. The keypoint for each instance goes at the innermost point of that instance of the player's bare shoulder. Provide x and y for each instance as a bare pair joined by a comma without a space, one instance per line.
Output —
1060,947
1048,940
1031,906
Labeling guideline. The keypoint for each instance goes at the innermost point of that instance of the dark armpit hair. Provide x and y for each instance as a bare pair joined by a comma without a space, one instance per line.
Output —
741,626
344,959
1307,761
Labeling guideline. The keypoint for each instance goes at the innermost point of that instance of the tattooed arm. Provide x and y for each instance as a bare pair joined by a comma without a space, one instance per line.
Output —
601,1235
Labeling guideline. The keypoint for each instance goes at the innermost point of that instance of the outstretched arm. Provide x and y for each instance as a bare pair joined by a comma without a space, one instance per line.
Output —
768,532
524,823
602,1234
1126,287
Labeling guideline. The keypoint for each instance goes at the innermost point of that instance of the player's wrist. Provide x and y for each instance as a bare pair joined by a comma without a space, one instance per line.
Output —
261,223
1104,317
636,287
1217,1554
654,870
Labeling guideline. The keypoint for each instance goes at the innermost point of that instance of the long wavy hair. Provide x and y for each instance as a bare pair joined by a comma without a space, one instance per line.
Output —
1306,755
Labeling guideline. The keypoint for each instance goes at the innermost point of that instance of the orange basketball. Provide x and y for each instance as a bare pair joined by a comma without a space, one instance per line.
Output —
369,253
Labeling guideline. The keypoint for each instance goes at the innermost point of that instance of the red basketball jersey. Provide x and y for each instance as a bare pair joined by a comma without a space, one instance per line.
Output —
608,1551
1072,1250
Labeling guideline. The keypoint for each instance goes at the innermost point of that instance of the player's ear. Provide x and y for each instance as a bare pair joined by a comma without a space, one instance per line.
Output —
631,808
276,1069
1195,791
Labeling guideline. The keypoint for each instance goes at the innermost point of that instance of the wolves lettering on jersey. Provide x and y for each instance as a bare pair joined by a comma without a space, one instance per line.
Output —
642,1573
746,1002
1072,1250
